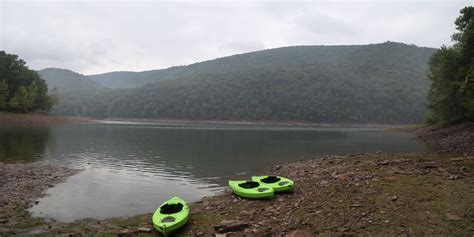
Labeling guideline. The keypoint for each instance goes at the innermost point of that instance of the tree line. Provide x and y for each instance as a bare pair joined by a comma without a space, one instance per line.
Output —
22,89
451,72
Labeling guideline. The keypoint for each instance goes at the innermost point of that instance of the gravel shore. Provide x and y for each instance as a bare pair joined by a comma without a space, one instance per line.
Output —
21,185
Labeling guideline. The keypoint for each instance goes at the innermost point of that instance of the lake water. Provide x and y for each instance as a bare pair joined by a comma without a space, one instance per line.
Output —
132,168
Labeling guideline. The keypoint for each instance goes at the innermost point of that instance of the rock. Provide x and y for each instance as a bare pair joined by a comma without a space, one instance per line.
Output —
300,233
453,217
200,233
384,162
144,229
323,182
394,198
343,177
230,226
3,220
126,233
246,213
452,177
235,200
430,165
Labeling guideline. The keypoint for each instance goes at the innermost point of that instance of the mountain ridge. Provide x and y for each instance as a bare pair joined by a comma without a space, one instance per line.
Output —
378,83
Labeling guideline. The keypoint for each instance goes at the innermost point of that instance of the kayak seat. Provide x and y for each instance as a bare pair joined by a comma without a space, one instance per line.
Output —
262,189
283,183
270,179
171,208
249,185
168,219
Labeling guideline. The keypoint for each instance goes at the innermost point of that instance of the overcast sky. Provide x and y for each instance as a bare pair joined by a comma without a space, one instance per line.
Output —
101,36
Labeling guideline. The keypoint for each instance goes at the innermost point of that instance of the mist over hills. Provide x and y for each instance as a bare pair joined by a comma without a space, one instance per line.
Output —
67,80
377,83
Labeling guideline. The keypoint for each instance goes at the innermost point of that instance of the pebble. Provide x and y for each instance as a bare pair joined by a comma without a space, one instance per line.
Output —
144,229
453,217
126,233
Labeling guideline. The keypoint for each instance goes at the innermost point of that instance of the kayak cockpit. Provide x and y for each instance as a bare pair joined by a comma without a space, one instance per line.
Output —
271,179
249,184
171,208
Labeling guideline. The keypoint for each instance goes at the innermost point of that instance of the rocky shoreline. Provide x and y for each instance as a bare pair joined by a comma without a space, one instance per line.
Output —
361,194
453,139
21,185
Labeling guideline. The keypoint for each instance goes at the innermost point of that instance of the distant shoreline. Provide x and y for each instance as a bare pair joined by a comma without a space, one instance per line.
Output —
44,119
189,122
8,119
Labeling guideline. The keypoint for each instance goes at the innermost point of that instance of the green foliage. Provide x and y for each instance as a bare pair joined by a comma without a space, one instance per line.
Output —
451,71
21,101
26,91
444,95
3,94
380,83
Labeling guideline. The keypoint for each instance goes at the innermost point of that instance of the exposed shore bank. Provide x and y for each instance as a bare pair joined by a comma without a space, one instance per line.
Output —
37,119
20,186
454,139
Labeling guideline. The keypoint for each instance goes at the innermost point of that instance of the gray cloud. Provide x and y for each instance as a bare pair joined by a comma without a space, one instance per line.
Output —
94,37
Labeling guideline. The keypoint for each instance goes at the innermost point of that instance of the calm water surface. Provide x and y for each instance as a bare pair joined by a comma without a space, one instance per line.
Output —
133,168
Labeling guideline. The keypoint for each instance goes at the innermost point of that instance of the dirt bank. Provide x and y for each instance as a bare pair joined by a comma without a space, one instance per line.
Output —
453,139
369,194
36,119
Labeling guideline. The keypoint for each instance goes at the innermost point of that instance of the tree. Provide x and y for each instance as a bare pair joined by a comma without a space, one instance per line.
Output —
21,101
444,95
465,42
3,94
451,71
26,91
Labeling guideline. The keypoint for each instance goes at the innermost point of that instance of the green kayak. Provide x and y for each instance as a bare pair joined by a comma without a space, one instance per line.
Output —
278,183
250,189
170,216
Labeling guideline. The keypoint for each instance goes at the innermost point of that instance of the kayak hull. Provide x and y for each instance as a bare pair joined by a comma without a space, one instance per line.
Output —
170,216
278,183
251,189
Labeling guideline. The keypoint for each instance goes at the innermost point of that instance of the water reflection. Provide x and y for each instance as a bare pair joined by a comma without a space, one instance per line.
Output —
23,144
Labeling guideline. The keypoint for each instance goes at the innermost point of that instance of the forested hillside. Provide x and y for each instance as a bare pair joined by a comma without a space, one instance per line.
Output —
379,83
324,56
115,80
63,79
